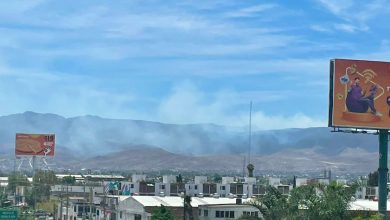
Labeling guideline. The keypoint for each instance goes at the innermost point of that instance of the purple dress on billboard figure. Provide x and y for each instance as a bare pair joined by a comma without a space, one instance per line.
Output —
357,102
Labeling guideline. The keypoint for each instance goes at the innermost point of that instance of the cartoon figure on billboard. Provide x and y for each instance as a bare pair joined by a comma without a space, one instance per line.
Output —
48,147
361,94
358,102
388,103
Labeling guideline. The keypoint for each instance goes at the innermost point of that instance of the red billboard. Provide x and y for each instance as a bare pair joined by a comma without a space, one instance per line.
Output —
359,94
34,144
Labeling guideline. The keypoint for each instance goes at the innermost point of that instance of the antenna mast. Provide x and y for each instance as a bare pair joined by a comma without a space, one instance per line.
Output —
250,166
250,133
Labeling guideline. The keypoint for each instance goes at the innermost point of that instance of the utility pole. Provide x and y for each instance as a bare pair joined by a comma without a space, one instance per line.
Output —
184,205
382,172
90,200
67,202
62,189
33,179
85,200
250,133
15,178
104,201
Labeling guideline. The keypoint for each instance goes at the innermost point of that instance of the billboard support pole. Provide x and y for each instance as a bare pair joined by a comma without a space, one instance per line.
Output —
34,161
382,172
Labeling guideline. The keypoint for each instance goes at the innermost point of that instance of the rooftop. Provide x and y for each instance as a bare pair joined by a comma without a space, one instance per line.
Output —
175,201
368,205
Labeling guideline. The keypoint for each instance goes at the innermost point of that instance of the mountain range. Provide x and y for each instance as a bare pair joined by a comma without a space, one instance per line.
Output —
113,144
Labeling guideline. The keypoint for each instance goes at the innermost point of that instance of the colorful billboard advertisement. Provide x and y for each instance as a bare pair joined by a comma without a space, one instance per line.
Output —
34,144
359,94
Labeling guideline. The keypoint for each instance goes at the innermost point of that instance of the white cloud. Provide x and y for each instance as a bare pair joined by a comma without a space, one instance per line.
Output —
346,27
337,6
251,11
67,95
17,8
356,15
321,28
303,68
187,104
74,96
108,33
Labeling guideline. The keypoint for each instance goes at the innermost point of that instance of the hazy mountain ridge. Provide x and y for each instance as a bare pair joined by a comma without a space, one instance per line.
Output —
147,158
204,146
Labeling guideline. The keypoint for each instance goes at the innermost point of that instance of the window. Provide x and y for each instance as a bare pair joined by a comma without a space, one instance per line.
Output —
137,217
74,208
257,214
231,214
217,214
200,212
206,213
97,212
196,187
120,214
240,189
227,214
223,187
132,186
162,186
222,214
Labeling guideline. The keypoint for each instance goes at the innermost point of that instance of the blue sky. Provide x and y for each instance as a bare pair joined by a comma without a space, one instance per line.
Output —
183,61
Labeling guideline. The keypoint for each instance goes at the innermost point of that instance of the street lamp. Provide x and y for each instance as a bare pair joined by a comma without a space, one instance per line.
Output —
183,195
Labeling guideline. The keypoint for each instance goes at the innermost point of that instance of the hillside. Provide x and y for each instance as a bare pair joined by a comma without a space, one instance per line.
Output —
91,141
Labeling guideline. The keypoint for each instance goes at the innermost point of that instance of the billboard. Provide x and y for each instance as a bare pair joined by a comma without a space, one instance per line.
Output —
359,94
34,144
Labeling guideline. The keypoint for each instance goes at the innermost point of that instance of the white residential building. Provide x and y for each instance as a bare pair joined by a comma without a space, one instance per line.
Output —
227,180
300,182
274,181
136,178
141,207
227,211
200,179
169,179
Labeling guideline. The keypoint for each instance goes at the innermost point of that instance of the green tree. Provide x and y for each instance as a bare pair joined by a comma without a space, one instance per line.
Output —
188,207
373,179
367,216
273,205
3,197
69,180
217,178
179,178
162,213
16,179
29,197
307,202
49,206
42,182
321,202
46,177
